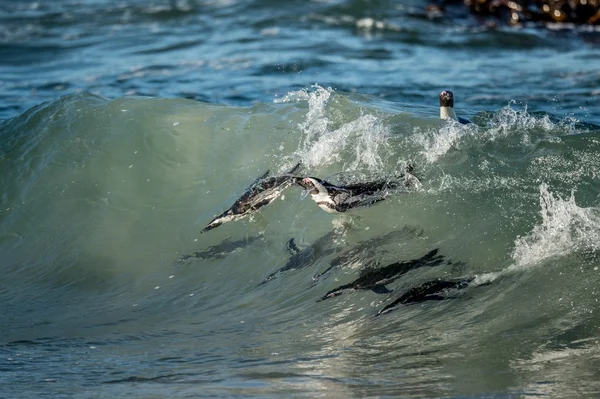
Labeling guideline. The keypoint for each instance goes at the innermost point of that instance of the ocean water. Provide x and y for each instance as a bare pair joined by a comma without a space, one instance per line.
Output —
127,126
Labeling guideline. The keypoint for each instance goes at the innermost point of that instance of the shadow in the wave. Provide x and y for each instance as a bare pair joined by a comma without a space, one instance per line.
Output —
435,290
370,249
332,242
325,245
375,279
221,250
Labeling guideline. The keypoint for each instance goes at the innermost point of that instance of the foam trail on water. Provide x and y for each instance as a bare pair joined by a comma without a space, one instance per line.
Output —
565,228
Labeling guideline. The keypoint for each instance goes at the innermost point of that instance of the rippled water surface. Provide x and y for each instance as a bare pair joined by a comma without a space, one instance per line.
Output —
125,127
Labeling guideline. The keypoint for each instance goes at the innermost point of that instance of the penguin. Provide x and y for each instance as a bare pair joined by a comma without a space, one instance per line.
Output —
369,249
339,199
447,108
376,279
435,290
322,247
221,250
262,192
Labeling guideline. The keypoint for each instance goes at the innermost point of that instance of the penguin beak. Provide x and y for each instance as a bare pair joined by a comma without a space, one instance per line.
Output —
330,295
446,99
211,226
308,183
304,183
217,221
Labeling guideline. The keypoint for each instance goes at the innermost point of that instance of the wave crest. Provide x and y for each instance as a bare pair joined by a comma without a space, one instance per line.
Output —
565,228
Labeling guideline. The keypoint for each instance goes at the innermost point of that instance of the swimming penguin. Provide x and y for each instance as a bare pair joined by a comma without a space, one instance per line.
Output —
336,199
221,250
322,247
262,192
447,108
376,279
436,290
369,249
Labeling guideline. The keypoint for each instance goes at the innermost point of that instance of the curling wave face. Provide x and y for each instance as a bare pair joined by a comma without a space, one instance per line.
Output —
103,202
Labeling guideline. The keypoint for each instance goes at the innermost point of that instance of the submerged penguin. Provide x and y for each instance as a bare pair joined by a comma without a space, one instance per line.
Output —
376,279
221,250
337,199
322,247
447,108
262,192
436,290
369,249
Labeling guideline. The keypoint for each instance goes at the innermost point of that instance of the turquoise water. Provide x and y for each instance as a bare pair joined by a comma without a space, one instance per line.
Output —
127,127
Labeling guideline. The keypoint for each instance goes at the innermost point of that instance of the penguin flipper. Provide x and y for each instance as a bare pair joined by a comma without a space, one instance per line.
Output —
258,179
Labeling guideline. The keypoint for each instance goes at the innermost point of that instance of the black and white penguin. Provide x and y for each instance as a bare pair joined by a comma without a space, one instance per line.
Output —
336,199
262,192
447,108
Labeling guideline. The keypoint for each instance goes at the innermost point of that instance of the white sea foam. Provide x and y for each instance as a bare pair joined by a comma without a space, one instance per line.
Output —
518,124
293,96
507,119
436,143
358,143
564,229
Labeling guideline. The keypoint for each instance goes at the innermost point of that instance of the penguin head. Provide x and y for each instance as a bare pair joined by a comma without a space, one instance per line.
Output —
446,99
214,224
309,183
331,294
219,220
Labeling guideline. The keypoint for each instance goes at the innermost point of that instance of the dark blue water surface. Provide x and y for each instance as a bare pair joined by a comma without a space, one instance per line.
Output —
240,52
